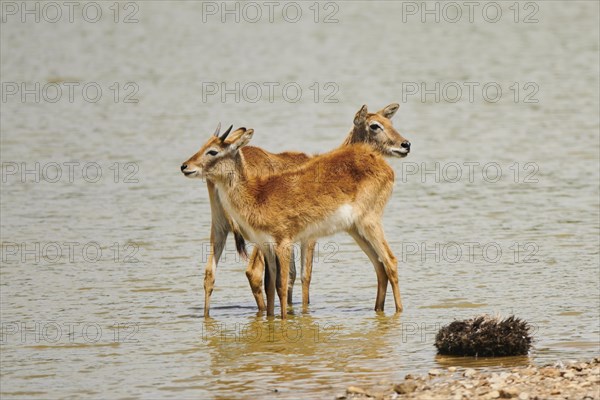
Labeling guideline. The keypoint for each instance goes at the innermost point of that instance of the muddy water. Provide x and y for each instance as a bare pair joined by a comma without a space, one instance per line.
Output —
109,303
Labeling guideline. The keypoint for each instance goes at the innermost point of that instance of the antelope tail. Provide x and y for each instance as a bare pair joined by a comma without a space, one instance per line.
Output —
240,244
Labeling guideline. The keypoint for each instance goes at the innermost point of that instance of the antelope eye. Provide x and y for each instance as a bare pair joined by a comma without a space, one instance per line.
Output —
212,153
374,127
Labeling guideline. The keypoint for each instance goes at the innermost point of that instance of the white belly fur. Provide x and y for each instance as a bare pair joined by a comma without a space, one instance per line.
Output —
340,220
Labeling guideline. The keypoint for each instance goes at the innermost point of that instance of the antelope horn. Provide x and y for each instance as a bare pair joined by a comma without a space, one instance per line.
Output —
224,135
217,130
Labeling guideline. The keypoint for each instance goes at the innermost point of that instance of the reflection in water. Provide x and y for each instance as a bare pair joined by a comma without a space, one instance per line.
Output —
480,362
265,350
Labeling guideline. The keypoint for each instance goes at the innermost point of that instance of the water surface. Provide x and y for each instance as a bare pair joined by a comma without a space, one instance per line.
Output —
100,325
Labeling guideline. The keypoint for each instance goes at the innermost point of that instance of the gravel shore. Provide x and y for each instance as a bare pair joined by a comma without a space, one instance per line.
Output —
575,380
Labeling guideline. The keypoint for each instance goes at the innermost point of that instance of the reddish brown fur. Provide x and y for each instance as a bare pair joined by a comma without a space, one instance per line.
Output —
279,202
262,163
278,206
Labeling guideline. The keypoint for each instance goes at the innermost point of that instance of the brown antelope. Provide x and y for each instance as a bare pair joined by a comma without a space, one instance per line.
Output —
375,129
259,162
349,188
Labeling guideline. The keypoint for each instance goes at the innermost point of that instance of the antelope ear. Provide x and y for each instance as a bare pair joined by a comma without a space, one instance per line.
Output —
389,111
239,138
361,116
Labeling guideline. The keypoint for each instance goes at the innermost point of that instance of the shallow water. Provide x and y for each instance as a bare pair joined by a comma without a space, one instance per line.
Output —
81,318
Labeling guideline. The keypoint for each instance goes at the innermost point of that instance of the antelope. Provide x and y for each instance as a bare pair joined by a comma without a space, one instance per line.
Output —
274,212
259,162
373,128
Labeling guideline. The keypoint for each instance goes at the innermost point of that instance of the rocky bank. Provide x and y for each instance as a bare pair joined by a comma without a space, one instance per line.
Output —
574,380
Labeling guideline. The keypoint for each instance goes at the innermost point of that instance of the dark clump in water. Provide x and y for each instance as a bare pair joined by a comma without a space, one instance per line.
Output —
484,336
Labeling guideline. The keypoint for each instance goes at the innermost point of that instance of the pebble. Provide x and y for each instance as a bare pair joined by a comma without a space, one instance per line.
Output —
355,390
561,381
405,387
568,375
509,393
451,369
550,372
469,373
528,371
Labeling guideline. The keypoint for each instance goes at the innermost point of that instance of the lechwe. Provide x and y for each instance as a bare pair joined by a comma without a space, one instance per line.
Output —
348,189
373,128
259,162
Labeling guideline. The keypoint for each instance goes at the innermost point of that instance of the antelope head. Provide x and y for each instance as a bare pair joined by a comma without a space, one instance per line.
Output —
212,158
377,130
